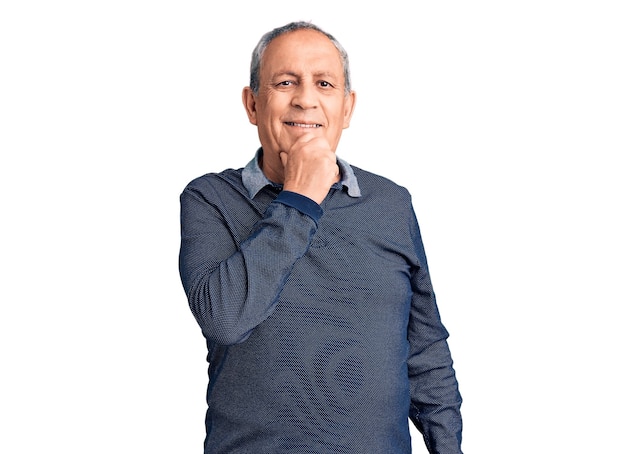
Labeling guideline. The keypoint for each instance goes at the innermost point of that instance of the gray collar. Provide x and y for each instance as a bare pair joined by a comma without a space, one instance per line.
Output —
254,179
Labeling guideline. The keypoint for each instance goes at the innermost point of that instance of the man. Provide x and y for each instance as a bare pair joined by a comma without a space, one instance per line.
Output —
309,280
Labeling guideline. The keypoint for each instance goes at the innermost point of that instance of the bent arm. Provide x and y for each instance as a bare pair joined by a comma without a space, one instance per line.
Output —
231,287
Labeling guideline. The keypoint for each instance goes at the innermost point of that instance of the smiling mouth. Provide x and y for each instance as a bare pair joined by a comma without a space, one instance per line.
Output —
303,125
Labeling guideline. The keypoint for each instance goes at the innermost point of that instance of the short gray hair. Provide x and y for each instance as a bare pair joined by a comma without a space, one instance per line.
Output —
266,39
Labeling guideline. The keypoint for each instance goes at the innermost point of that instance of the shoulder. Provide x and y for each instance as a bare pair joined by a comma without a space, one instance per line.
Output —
372,184
211,183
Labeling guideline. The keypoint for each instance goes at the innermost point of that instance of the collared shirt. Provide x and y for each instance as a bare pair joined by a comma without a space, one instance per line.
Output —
321,323
254,179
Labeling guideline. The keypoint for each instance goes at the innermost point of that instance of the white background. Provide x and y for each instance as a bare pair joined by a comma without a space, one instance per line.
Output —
506,120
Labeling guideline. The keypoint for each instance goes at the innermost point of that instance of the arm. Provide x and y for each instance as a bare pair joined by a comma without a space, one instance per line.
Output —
232,288
435,398
232,284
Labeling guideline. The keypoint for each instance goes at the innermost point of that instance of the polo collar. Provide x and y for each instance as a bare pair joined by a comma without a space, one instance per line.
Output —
254,179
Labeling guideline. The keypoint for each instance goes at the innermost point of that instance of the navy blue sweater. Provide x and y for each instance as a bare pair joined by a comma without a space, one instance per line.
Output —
321,323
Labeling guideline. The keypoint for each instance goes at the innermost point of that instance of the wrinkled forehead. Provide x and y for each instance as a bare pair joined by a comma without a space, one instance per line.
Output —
302,49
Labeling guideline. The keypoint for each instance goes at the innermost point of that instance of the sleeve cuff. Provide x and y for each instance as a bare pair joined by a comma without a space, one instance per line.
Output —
300,203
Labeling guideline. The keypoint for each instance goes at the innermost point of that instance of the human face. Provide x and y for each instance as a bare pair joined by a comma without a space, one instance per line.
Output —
301,91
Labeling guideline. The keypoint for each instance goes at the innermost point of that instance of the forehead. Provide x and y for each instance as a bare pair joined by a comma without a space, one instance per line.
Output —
303,50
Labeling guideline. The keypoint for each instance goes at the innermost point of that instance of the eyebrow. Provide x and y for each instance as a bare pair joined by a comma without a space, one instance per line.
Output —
325,74
284,73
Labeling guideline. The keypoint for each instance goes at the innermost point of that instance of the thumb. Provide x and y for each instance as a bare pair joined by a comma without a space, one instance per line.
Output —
283,158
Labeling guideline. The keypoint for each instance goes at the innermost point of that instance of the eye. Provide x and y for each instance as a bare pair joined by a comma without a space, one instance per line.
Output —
285,83
325,84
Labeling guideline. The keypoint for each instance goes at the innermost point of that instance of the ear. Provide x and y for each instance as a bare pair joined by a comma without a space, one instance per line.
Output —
249,103
349,105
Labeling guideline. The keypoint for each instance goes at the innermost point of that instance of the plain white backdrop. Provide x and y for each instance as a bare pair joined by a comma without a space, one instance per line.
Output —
505,119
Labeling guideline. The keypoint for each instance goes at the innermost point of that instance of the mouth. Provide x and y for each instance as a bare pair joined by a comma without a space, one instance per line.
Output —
303,125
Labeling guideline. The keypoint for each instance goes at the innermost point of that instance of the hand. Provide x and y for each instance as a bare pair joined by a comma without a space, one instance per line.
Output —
310,167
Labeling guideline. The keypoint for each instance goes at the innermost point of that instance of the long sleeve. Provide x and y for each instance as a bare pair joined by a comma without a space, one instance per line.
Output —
435,398
333,306
233,273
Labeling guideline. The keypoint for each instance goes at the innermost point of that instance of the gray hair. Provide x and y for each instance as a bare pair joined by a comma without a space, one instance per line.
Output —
257,53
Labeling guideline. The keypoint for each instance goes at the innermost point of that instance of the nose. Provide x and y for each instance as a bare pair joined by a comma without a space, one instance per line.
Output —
305,96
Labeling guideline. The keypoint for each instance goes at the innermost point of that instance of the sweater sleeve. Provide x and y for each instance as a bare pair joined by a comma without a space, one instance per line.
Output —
231,288
435,398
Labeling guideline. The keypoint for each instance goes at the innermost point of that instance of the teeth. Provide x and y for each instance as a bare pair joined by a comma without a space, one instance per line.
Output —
304,125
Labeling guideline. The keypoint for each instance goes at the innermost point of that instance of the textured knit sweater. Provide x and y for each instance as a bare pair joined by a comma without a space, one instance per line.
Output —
321,323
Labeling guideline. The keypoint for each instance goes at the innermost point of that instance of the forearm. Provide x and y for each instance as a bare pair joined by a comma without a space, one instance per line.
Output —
435,399
232,289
